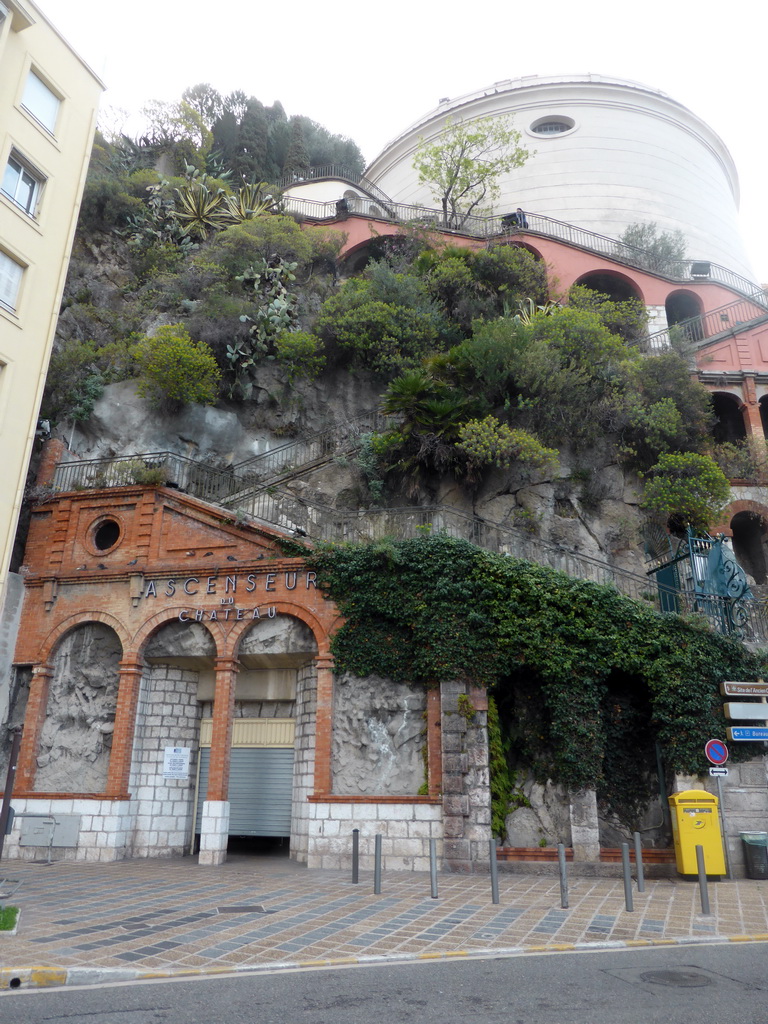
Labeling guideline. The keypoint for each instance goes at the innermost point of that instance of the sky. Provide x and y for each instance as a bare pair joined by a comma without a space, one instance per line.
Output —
368,71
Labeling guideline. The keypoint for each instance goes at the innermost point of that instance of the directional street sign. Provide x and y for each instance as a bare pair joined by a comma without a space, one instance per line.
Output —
721,771
745,734
716,751
747,712
758,689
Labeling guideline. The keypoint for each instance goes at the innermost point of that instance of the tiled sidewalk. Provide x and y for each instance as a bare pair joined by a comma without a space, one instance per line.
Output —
154,916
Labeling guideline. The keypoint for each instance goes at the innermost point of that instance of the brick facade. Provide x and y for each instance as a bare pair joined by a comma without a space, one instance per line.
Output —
138,559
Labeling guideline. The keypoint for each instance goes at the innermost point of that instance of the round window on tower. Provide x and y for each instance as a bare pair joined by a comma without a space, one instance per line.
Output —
106,534
552,125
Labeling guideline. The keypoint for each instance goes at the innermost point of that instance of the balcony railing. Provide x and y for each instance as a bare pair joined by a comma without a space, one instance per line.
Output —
497,227
734,316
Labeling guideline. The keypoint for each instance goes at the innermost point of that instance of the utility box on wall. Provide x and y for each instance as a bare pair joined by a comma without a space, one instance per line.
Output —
54,830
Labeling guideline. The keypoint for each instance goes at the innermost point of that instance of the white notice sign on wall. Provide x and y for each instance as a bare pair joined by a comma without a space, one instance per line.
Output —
176,763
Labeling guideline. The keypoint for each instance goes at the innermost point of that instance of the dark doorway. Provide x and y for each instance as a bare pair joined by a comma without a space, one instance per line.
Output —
749,530
616,287
729,427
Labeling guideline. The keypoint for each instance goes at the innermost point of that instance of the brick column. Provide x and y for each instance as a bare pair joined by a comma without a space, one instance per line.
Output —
323,725
125,726
750,410
434,744
52,454
221,732
37,705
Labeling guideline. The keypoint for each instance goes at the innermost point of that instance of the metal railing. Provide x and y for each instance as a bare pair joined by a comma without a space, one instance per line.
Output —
215,484
737,315
300,518
164,469
334,171
497,227
294,457
320,523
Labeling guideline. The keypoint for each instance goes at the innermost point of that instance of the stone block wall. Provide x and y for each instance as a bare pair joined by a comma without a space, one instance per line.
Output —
405,828
105,829
304,760
466,780
163,809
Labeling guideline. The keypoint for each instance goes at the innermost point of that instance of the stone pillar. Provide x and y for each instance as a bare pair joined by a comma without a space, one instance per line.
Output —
585,827
323,724
125,726
466,785
214,825
753,421
214,832
37,705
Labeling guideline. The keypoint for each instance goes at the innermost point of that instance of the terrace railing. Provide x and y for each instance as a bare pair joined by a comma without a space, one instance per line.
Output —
497,227
737,315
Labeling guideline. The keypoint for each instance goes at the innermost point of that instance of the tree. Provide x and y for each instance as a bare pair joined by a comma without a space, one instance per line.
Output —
690,488
659,252
463,165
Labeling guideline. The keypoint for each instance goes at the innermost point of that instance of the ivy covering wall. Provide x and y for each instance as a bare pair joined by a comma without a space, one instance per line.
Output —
586,681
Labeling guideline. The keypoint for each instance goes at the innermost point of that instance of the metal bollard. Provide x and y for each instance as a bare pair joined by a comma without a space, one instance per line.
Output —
639,863
494,872
433,867
563,876
355,855
702,880
627,871
377,864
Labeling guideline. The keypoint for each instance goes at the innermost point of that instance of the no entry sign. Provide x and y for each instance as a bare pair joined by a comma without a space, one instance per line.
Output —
716,751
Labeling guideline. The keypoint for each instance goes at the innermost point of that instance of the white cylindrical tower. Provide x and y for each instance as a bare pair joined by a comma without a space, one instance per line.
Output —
608,153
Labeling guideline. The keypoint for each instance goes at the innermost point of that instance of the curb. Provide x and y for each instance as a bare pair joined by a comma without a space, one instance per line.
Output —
16,978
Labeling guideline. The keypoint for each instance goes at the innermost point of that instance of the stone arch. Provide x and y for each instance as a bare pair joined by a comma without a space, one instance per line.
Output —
167,616
517,244
729,426
52,639
731,510
296,611
617,286
75,741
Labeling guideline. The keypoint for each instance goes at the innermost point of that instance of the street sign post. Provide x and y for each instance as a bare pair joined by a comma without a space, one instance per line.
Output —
746,712
716,752
747,734
733,689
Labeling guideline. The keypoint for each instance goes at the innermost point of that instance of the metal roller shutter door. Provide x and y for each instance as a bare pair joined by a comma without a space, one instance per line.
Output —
260,783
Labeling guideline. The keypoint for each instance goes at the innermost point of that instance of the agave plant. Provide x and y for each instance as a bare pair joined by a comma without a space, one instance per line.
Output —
249,202
199,210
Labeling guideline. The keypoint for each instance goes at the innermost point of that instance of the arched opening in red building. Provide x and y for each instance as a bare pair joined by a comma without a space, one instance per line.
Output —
729,426
616,286
749,540
684,310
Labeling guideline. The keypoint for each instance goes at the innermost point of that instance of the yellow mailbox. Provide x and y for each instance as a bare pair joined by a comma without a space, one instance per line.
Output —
696,822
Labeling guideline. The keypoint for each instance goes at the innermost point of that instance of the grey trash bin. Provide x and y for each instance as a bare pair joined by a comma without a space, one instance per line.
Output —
755,845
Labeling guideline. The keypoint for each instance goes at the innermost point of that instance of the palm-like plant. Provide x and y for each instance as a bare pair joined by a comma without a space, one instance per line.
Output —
199,210
249,202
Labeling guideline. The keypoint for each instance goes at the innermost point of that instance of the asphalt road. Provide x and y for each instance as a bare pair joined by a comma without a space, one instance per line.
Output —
713,984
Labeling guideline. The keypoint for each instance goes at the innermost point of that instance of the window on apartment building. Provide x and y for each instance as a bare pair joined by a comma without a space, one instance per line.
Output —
22,183
10,281
40,102
3,13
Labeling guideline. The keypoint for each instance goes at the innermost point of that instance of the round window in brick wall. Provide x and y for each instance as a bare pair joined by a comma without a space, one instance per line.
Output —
106,534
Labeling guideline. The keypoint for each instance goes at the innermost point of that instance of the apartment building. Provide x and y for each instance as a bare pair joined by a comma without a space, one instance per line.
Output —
48,103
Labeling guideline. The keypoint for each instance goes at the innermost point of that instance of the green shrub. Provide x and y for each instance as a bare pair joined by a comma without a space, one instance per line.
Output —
174,369
691,488
301,355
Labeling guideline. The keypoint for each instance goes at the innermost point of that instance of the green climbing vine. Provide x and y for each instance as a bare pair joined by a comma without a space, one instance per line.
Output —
566,660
